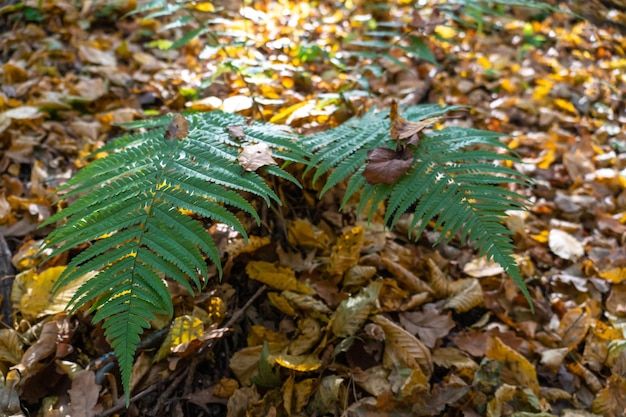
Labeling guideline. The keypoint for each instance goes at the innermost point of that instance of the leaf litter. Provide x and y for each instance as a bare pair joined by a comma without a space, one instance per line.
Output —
331,315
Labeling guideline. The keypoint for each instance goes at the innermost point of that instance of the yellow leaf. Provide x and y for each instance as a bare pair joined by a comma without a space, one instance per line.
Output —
516,370
615,275
284,114
184,329
303,233
306,363
276,277
346,252
32,292
282,304
205,6
548,157
239,246
445,32
565,105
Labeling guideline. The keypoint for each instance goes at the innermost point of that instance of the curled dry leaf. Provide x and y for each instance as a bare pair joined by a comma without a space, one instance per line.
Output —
386,166
256,156
410,350
402,129
466,294
178,128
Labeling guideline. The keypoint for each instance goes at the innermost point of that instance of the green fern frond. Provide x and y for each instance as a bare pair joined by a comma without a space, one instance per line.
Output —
455,181
129,211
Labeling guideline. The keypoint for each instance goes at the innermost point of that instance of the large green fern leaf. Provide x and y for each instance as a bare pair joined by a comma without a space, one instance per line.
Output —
130,209
455,181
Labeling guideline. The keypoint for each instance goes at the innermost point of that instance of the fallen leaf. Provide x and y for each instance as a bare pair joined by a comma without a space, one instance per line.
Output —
428,324
515,369
253,157
564,245
386,166
178,128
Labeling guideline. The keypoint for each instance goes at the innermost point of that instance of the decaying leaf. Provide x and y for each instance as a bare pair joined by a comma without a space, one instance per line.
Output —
302,233
574,327
178,128
253,157
353,312
10,346
429,325
276,277
515,369
386,166
410,350
565,245
402,129
345,254
466,294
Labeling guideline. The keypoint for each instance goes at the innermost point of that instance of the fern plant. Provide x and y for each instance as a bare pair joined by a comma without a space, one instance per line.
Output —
131,207
453,179
130,211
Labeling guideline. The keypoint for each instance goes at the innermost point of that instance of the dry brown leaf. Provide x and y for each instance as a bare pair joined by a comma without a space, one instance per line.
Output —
10,346
84,395
386,166
574,327
406,278
302,233
450,357
253,157
245,362
466,294
429,325
411,351
352,313
374,380
309,332
515,370
178,128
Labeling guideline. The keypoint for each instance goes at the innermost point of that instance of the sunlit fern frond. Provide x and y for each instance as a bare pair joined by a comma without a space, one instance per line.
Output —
457,181
131,213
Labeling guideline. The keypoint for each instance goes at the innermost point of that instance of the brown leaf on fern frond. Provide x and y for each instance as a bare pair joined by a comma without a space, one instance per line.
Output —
386,166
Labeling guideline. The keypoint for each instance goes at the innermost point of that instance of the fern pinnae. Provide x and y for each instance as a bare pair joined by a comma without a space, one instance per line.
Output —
169,269
355,183
344,169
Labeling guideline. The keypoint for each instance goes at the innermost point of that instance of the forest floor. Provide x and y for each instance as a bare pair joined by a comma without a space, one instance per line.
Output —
554,85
